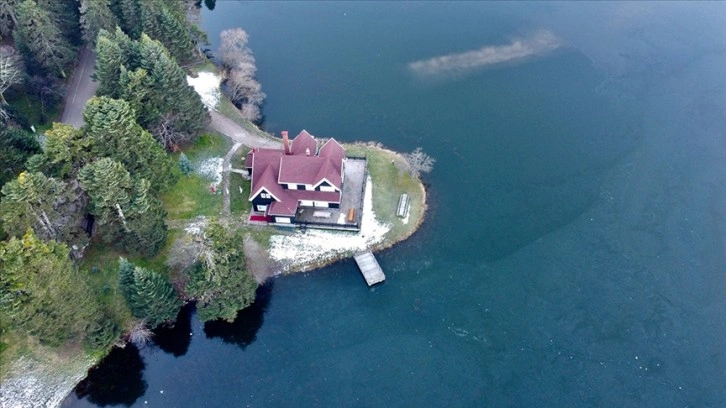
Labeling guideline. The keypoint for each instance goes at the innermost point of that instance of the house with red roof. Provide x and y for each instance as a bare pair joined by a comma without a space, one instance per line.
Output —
286,182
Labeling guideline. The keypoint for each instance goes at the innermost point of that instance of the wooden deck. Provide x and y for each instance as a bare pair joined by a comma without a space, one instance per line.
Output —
369,267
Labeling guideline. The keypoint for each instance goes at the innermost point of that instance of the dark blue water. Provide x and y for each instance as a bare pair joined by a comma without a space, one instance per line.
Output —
574,253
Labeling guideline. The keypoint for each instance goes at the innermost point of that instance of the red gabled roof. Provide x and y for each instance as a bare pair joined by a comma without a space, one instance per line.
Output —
302,143
248,160
272,167
265,167
332,148
310,170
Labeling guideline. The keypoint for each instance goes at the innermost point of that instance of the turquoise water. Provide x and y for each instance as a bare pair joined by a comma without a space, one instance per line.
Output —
573,253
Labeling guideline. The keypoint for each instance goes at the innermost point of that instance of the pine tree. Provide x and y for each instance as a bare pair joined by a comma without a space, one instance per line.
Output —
221,284
111,125
145,74
8,20
185,165
109,60
125,276
166,22
42,293
171,92
130,215
135,87
45,204
67,147
41,40
110,189
66,16
149,296
95,16
16,146
129,15
176,36
147,222
103,332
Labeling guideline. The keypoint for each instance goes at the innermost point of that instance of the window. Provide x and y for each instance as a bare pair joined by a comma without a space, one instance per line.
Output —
265,195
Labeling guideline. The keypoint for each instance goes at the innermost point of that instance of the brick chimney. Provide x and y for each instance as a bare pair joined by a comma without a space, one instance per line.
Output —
285,142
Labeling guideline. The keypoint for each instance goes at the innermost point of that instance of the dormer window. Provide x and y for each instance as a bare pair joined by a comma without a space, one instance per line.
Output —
265,195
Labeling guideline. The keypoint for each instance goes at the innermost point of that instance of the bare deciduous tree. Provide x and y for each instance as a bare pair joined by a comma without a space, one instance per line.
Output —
169,136
419,162
240,73
140,334
10,74
233,48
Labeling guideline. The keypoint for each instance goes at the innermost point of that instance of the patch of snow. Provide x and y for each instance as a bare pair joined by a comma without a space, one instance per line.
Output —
30,383
196,227
206,84
313,246
211,169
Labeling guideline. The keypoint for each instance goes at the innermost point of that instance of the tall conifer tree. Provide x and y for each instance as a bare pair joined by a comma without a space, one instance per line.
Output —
111,125
95,16
125,209
45,204
41,40
41,292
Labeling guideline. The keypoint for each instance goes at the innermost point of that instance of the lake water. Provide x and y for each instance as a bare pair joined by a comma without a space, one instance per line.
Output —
574,252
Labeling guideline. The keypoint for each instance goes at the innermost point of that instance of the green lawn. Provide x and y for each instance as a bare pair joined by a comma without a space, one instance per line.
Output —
210,144
389,182
191,197
239,204
238,160
203,65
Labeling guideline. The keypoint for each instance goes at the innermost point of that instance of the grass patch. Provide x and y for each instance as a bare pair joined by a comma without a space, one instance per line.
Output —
210,144
389,182
238,160
239,204
203,65
261,234
190,197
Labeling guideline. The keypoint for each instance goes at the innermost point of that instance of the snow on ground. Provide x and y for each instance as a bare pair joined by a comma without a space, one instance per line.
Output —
316,246
212,169
207,86
30,383
197,226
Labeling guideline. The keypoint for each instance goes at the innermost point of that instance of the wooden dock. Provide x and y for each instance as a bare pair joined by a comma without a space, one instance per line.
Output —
369,267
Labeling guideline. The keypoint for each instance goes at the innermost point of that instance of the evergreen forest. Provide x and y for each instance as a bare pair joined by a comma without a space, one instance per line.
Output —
67,191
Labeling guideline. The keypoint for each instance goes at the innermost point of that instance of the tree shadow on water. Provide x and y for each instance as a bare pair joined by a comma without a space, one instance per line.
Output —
118,379
175,339
243,330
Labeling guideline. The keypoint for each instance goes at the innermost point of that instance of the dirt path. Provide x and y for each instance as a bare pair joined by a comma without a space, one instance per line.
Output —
80,88
238,134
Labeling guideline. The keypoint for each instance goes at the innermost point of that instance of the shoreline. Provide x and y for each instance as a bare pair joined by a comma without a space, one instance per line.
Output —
37,380
296,251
